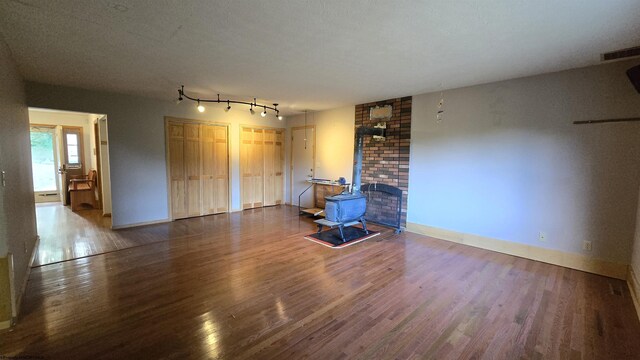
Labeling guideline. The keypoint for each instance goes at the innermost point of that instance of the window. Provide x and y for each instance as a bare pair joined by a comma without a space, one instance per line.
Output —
73,156
73,153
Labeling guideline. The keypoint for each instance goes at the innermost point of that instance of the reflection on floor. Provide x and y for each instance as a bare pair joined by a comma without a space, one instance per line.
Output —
66,235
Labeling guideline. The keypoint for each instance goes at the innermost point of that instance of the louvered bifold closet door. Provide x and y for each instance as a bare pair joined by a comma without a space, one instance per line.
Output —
221,159
198,163
279,167
252,167
269,167
177,174
261,161
215,183
209,175
246,154
192,168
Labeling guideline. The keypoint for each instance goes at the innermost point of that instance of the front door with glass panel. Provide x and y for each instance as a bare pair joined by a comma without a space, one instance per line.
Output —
73,162
44,161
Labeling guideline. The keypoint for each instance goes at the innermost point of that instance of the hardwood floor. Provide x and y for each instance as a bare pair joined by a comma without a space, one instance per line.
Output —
66,235
248,286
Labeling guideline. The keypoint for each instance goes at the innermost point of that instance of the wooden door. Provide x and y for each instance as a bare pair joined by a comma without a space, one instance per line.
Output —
178,188
221,159
73,165
252,167
257,168
207,141
215,188
279,167
192,168
269,167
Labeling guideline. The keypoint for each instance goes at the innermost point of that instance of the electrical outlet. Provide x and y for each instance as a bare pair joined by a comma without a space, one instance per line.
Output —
586,245
542,236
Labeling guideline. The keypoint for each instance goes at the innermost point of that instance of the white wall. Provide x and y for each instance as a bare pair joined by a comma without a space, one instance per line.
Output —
507,163
83,120
17,208
137,143
334,142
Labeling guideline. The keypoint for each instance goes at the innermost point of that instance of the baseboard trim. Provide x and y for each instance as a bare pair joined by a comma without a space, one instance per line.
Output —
634,289
126,226
555,257
23,286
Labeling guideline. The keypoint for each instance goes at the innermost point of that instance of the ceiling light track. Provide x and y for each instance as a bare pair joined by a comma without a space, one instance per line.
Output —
201,108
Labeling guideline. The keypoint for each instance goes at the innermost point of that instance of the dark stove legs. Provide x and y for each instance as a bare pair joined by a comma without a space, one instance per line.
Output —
342,233
364,225
341,229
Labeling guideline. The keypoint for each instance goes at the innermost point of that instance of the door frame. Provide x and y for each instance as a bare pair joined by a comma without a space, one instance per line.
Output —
56,156
96,135
291,160
170,119
262,127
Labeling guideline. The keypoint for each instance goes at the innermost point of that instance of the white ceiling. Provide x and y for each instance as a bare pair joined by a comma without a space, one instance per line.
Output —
307,54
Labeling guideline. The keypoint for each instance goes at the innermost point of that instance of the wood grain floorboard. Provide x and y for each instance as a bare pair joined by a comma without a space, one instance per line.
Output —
248,286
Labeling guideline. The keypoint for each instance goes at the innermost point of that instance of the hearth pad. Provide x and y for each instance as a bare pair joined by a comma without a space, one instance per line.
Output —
331,238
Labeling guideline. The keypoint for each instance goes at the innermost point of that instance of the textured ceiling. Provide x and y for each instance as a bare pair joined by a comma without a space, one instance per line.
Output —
307,54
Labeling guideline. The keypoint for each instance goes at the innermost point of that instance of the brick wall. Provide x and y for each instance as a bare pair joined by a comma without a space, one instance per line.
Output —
388,162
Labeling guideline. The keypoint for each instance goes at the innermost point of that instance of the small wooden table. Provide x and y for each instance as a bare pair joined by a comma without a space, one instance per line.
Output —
316,211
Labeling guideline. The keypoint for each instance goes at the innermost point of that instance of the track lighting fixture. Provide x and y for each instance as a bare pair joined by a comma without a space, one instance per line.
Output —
277,112
182,95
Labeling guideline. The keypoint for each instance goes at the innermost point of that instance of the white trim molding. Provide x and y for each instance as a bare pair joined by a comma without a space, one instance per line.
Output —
126,226
634,289
550,256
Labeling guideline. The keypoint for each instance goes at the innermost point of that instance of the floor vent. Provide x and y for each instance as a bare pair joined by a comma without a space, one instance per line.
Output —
621,54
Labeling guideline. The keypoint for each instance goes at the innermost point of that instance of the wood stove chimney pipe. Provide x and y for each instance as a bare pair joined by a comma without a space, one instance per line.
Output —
378,130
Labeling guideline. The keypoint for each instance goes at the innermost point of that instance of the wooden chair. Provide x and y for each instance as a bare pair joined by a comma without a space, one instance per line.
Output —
83,191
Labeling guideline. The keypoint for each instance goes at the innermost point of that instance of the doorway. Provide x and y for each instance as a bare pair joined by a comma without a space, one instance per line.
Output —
302,164
44,163
66,146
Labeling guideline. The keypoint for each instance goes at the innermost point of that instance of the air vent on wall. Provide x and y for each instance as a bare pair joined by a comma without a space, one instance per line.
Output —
621,54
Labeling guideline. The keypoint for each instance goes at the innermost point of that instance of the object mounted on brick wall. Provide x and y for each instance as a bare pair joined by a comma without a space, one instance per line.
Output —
380,112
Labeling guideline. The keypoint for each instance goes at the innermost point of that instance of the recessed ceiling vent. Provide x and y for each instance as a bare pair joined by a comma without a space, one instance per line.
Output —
621,54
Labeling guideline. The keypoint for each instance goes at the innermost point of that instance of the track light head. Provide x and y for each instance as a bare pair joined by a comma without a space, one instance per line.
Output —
264,113
280,117
228,106
251,110
200,107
